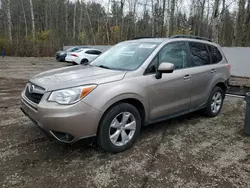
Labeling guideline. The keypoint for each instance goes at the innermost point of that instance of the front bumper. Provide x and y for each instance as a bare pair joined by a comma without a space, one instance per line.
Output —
66,123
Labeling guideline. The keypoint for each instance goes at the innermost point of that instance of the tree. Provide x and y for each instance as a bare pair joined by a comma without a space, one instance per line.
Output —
54,23
171,18
66,17
246,26
9,23
32,20
215,24
25,20
74,23
240,22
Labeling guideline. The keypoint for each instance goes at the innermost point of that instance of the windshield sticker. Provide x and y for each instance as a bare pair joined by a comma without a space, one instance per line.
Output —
147,46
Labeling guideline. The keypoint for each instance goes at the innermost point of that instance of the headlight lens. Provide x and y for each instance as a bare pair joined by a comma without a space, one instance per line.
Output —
70,95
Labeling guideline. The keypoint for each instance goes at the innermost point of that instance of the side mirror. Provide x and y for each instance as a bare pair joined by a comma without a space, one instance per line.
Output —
164,68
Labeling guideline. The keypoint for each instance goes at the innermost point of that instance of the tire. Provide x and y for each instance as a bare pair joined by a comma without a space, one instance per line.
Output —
84,62
213,108
106,131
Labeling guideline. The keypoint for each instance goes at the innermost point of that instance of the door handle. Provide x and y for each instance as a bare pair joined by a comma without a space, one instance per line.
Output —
187,77
213,71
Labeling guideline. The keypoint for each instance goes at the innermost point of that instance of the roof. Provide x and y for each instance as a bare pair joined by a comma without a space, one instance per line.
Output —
151,39
86,49
178,38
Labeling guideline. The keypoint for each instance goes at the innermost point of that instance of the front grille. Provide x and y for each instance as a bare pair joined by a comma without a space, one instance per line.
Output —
34,97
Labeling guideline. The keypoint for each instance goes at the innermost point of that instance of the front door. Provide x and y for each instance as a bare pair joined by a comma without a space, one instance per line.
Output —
171,93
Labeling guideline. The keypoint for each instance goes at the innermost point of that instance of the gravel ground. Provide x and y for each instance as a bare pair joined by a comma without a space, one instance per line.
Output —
240,81
189,151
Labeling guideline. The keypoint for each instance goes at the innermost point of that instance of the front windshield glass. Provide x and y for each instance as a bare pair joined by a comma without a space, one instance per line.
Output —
126,55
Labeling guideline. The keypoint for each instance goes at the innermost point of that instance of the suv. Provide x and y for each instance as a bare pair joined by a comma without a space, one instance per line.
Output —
135,83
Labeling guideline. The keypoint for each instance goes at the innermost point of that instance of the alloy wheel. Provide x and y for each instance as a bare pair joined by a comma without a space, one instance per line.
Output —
216,102
122,128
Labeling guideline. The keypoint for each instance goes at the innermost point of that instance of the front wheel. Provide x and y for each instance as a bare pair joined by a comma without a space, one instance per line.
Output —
215,102
119,128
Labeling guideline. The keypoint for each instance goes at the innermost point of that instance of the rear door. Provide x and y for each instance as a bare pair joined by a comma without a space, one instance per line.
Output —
202,73
218,63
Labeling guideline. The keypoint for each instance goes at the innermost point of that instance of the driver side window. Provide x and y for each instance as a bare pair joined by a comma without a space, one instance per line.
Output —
175,53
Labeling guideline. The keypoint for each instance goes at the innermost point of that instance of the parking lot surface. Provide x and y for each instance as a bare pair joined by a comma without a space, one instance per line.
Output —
189,151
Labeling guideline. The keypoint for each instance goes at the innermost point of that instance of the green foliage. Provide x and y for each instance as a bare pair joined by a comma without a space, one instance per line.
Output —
4,43
81,36
115,33
181,31
43,35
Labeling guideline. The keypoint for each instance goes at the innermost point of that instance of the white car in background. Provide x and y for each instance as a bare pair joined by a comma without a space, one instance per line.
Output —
82,56
70,57
87,55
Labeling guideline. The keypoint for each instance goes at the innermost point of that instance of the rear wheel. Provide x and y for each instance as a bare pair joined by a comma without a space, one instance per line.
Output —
119,128
84,62
215,102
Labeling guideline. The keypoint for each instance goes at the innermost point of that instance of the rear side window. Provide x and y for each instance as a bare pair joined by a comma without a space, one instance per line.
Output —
199,54
93,52
215,54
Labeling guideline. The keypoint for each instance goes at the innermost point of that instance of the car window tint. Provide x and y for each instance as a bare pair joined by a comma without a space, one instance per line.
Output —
175,53
199,54
93,52
88,52
98,52
74,49
77,51
215,54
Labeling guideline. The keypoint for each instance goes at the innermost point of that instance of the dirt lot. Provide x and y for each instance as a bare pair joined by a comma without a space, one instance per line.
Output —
240,81
190,151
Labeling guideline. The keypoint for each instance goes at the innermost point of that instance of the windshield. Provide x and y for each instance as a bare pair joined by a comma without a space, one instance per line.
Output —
71,49
128,55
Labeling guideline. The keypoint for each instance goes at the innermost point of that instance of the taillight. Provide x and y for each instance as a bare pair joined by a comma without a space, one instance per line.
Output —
74,55
229,67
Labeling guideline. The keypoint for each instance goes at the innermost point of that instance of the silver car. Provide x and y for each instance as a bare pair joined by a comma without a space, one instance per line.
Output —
133,84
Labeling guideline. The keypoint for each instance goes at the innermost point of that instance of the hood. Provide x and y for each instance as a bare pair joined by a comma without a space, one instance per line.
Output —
75,76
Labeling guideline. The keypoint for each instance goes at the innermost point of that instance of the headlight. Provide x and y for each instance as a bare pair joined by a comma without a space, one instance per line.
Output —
70,95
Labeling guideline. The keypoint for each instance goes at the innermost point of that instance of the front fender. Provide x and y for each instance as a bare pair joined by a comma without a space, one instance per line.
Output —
123,97
106,95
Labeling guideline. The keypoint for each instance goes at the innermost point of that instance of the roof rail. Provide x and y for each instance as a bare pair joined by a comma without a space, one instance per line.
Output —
191,37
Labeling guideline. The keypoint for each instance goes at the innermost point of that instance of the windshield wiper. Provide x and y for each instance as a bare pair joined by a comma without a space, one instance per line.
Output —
104,66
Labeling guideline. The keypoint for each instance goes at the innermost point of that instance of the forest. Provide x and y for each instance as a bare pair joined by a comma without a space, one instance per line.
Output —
41,27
